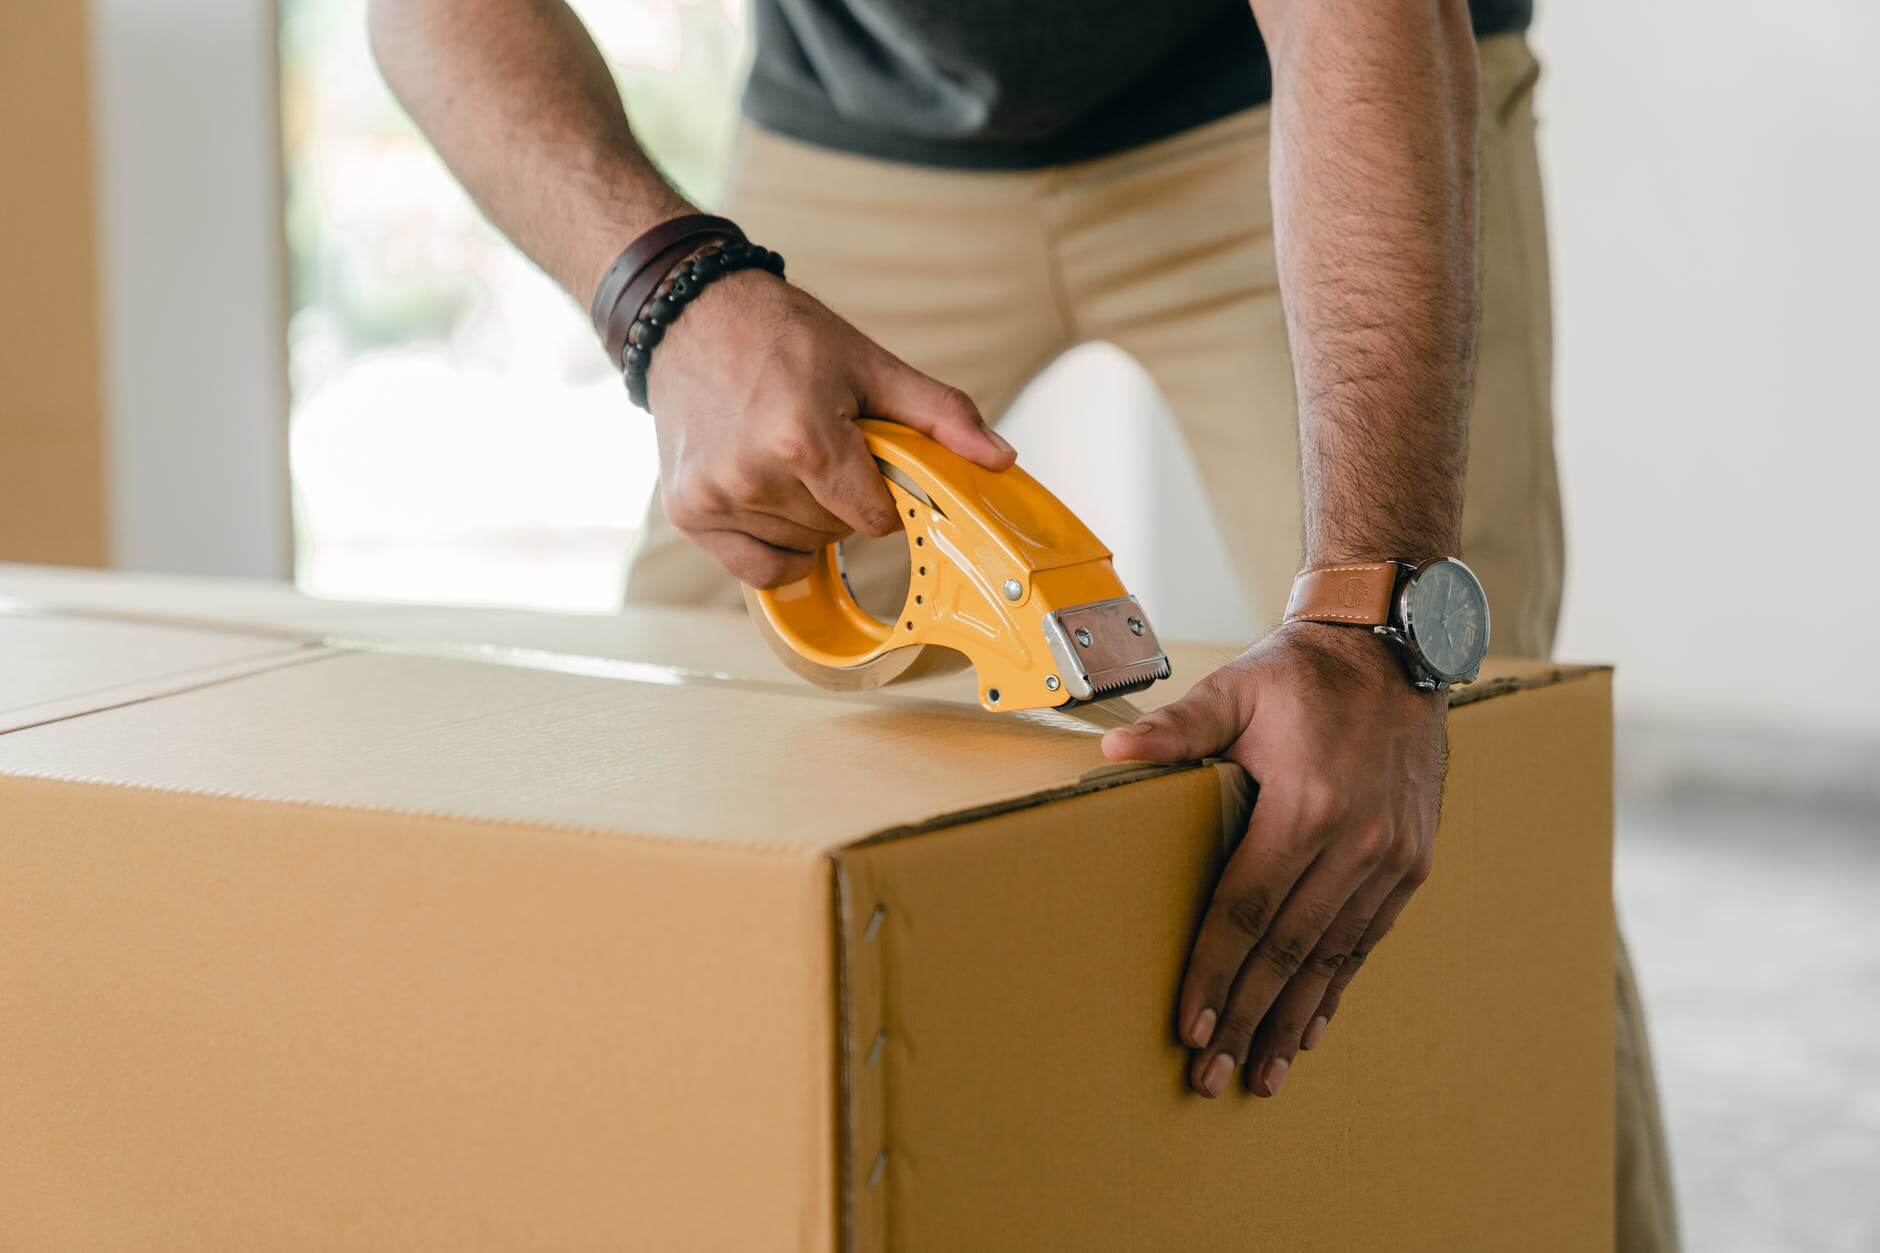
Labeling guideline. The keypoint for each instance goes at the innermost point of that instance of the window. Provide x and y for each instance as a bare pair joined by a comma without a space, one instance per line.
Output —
456,433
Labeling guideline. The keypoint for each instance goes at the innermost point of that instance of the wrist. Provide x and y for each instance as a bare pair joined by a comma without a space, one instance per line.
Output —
684,283
1357,663
1368,655
646,263
693,344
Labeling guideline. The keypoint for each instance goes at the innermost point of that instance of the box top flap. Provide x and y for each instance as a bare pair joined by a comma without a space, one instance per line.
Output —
55,667
668,724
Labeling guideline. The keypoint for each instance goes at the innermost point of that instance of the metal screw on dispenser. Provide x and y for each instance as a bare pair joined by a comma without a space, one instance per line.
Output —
1083,637
1135,626
1051,683
1014,589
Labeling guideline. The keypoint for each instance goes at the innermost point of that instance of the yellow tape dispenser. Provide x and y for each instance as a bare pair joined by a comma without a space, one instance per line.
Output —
998,570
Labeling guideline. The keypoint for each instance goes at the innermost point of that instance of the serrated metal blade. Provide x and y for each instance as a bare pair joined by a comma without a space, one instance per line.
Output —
1105,649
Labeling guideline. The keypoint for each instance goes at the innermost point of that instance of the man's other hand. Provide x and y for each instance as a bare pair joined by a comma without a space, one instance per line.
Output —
1349,761
755,393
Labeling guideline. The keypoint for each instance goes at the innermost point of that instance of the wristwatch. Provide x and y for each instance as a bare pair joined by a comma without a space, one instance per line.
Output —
1436,612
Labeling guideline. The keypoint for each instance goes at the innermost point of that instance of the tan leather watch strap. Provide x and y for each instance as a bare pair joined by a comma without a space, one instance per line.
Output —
1353,594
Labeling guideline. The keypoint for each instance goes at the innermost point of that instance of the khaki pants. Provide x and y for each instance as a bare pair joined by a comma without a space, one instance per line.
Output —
982,279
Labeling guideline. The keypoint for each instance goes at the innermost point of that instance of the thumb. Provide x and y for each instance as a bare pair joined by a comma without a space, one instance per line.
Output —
1201,724
897,390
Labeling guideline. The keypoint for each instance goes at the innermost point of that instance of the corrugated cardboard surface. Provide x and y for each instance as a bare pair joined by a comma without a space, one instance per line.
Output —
227,1025
708,762
384,950
53,667
1030,1092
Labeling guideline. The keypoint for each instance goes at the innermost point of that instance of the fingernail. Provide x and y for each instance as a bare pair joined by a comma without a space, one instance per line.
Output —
1315,1032
1214,1078
1274,1075
1001,441
1202,1030
1140,728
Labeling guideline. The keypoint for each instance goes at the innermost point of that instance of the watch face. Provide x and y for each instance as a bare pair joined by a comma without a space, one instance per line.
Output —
1446,619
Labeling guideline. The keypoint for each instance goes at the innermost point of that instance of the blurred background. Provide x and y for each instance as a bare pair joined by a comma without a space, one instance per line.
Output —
252,327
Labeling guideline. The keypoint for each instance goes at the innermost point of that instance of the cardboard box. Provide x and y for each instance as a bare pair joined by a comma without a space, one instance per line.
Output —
368,927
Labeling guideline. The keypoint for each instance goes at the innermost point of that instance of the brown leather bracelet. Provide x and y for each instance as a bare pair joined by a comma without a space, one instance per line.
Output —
647,283
639,268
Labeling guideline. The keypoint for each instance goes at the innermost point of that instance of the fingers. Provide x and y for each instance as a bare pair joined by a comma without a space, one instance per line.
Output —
897,390
1204,722
778,532
1247,903
722,498
1284,1031
1379,926
757,495
754,562
775,538
1268,965
842,476
698,519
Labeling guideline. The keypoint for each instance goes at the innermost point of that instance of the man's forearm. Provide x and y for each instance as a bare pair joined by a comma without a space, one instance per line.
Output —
1374,209
520,104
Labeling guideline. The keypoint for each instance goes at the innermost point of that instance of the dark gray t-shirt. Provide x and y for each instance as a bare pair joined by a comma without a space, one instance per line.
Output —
1012,84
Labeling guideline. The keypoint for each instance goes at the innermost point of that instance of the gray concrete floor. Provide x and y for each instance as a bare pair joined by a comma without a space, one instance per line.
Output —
1756,931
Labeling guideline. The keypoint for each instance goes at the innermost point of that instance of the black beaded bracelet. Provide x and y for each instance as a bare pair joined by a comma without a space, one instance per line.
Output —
687,280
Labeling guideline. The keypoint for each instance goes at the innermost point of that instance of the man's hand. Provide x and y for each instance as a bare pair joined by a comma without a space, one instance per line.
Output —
1349,761
755,392
756,389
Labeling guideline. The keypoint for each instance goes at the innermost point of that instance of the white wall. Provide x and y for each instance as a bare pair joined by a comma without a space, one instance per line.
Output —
193,281
1713,168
